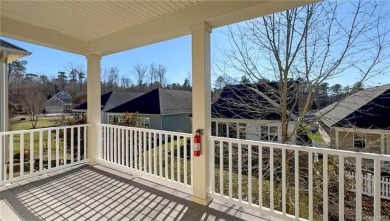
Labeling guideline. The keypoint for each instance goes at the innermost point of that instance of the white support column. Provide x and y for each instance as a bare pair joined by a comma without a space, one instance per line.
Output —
93,105
201,108
3,110
4,92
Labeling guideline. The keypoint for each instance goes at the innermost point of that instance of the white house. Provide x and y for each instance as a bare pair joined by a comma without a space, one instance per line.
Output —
61,102
360,122
249,111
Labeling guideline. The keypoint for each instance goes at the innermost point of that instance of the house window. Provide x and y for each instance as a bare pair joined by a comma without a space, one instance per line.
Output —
233,130
264,133
269,133
242,130
213,128
359,140
273,133
236,130
114,119
222,130
145,122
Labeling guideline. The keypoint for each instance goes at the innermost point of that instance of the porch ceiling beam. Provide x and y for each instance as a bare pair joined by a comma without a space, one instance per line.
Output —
43,36
215,13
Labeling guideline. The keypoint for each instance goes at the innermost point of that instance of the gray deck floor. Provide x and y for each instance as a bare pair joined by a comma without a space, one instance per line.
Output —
98,193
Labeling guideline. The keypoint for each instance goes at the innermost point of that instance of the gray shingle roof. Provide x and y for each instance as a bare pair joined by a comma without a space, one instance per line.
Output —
251,101
158,101
112,99
337,111
118,98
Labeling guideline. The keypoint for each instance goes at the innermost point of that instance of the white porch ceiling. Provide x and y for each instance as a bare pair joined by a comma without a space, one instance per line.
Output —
105,27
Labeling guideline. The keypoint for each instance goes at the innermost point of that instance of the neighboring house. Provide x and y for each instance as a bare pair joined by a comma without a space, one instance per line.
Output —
161,109
108,101
360,122
249,111
61,102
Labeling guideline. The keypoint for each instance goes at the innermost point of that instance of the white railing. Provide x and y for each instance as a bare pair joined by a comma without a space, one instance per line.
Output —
288,182
28,153
368,185
159,155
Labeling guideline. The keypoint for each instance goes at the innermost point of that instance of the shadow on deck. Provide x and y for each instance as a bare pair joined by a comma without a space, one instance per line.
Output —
92,193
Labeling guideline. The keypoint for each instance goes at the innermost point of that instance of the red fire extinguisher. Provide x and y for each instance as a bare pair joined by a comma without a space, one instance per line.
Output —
197,141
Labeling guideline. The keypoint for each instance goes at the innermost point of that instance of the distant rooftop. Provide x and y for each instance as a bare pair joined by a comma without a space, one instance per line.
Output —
251,101
14,52
112,99
158,101
364,108
6,44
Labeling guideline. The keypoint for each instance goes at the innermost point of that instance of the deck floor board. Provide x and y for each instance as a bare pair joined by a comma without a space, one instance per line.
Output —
93,193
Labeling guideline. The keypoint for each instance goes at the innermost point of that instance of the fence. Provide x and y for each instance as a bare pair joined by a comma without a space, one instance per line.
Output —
368,185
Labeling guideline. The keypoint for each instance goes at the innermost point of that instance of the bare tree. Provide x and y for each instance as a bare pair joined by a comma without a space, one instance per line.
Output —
161,70
140,74
32,100
112,77
304,47
125,83
153,75
157,75
76,73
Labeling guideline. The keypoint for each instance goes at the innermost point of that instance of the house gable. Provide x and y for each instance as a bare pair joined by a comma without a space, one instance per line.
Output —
63,96
375,114
367,108
54,101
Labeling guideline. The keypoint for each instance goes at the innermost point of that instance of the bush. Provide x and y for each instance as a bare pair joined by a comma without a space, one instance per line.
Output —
130,120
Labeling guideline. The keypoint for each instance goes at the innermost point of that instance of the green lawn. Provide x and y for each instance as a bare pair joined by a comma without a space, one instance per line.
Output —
18,125
169,162
26,124
265,185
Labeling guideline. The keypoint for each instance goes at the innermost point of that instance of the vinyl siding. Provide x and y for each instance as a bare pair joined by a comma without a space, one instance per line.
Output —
177,122
346,142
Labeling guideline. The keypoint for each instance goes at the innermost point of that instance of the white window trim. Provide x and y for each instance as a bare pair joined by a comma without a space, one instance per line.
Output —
269,134
235,124
365,140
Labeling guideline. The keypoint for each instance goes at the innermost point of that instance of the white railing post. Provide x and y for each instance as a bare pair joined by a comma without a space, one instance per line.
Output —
377,190
101,138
